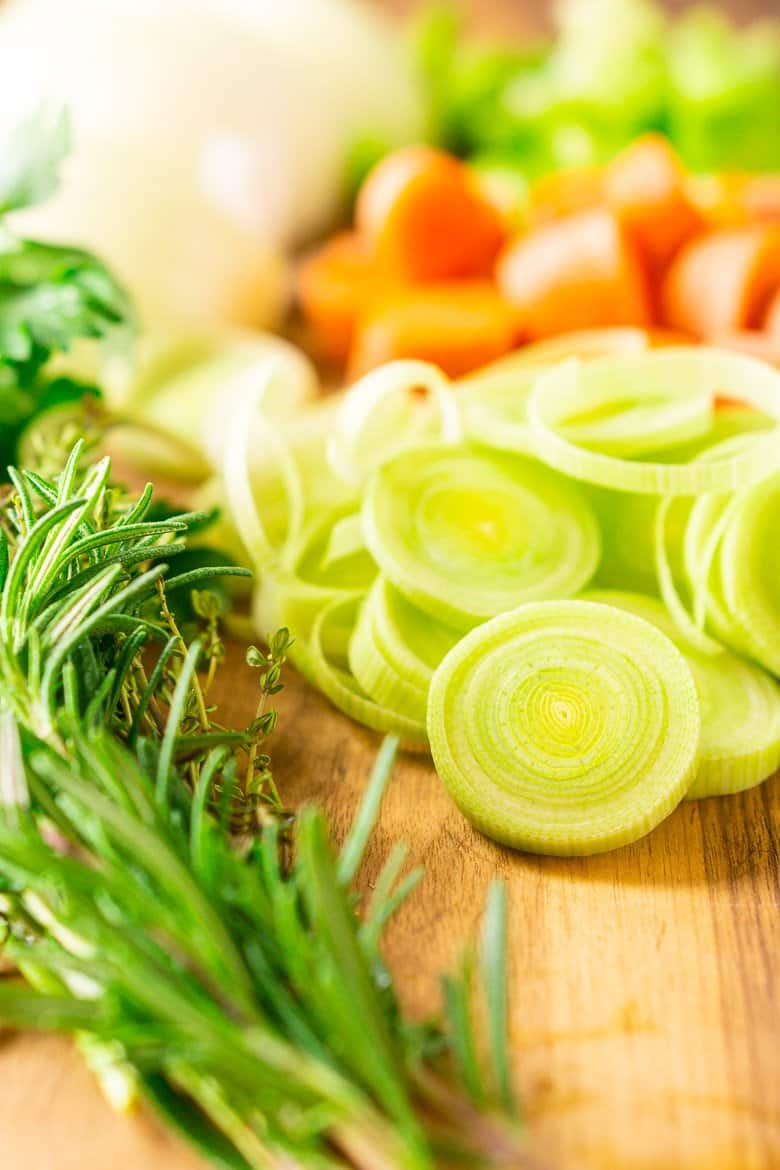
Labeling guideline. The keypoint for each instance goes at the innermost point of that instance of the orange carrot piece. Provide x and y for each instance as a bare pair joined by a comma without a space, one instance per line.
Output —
735,199
422,213
458,326
333,287
772,318
645,187
761,197
723,281
565,192
580,272
754,342
663,338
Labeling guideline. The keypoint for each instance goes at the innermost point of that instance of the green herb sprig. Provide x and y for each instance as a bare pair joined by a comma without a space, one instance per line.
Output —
50,296
242,992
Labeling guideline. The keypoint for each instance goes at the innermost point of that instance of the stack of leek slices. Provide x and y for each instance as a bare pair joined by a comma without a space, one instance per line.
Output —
561,576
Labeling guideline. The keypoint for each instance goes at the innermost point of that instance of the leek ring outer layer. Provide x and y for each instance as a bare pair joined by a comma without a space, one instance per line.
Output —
493,401
387,410
565,728
378,676
739,705
466,535
310,575
656,381
340,686
750,571
395,649
246,428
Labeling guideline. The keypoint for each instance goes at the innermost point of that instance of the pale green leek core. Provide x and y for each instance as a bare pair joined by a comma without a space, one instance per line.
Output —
467,535
565,727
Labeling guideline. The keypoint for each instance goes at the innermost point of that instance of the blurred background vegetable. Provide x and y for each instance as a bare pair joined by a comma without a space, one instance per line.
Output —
201,157
436,268
612,69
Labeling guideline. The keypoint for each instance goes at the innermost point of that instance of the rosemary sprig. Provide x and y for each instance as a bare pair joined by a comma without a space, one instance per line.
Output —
244,991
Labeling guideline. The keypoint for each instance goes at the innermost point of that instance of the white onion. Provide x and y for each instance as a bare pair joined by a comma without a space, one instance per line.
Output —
210,135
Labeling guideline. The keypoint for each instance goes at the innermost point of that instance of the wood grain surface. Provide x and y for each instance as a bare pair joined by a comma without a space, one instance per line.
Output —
645,1019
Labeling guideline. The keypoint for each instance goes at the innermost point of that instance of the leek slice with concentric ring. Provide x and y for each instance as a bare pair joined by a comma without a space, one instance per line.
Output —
739,705
750,571
410,639
565,727
338,683
494,409
644,393
465,535
378,676
395,649
387,410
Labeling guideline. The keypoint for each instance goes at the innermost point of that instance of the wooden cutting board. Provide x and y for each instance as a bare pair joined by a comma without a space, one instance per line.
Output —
645,1018
645,1021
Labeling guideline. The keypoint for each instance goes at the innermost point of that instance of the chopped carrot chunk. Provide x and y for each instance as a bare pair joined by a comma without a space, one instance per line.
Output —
754,342
723,281
424,216
458,326
333,287
735,199
645,187
580,272
772,318
565,192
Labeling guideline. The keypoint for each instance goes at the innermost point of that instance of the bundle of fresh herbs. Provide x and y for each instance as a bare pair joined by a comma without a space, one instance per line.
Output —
210,953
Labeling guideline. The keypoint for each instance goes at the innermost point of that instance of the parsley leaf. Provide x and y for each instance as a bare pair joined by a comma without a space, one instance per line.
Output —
50,296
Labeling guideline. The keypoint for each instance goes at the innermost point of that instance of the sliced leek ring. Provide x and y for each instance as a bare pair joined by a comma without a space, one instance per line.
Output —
739,705
247,428
339,685
467,535
494,401
494,409
388,409
395,649
310,575
378,675
409,638
750,571
565,727
685,623
646,390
